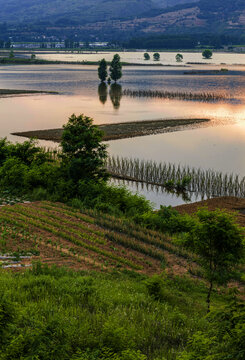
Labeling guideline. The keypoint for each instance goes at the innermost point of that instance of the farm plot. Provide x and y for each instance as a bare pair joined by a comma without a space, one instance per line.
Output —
57,234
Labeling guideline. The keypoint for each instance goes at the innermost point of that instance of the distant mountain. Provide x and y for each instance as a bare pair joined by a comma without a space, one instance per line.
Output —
118,19
78,11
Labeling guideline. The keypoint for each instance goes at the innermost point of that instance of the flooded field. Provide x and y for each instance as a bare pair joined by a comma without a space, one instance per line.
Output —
219,146
138,57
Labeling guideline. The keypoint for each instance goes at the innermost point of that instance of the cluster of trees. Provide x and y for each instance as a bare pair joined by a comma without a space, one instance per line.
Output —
185,41
156,56
115,70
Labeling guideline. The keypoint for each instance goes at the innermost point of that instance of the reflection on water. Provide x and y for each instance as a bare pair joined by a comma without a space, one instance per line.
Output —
116,95
115,92
158,195
218,147
103,93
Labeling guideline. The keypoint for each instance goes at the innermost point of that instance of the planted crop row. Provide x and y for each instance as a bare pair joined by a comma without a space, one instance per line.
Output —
135,245
207,183
43,217
204,96
67,221
67,210
52,229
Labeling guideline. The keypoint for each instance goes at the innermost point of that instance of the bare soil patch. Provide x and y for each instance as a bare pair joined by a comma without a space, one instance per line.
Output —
123,130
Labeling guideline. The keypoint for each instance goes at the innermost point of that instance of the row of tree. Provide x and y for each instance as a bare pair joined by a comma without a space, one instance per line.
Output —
115,70
207,54
156,56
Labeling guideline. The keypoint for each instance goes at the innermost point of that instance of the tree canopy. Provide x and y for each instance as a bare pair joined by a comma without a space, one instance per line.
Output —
116,68
83,153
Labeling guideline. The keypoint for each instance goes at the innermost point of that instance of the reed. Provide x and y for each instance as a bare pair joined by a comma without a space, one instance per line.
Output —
206,183
204,96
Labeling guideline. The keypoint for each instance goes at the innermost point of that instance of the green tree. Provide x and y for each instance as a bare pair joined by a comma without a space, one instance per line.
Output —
223,339
146,56
102,70
218,241
207,54
179,57
11,54
116,68
156,56
33,56
83,155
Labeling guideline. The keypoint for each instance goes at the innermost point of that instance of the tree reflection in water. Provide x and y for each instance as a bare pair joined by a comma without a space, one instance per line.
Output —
116,95
102,92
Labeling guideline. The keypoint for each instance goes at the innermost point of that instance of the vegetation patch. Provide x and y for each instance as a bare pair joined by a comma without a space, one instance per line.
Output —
205,96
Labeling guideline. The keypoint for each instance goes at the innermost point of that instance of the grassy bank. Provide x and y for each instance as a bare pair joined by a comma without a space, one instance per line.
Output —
122,130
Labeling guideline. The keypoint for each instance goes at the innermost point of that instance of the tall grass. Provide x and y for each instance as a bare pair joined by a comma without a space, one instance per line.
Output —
204,96
207,183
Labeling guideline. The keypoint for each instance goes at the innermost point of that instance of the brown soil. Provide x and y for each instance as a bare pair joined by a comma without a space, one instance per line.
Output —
123,130
229,203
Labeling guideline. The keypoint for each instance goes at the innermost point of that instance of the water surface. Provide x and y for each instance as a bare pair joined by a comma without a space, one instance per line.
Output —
219,146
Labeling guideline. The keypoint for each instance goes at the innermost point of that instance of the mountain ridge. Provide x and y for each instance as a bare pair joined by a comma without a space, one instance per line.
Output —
118,19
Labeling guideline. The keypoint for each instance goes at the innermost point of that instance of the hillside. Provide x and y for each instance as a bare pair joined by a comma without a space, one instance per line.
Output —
202,16
119,19
79,11
57,234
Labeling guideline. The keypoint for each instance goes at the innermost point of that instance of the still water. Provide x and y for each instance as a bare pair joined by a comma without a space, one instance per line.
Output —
167,58
219,146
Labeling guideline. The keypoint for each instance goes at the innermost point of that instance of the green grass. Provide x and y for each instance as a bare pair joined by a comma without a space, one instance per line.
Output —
55,313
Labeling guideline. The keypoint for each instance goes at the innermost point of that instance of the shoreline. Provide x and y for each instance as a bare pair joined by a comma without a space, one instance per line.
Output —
117,131
10,92
24,61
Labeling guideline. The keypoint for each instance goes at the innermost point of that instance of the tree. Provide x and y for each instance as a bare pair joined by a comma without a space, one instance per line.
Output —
102,70
156,56
116,68
218,241
83,155
224,337
146,56
33,56
11,54
179,57
207,54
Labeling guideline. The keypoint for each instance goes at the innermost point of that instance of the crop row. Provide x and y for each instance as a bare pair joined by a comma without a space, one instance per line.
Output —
207,183
204,96
50,227
58,222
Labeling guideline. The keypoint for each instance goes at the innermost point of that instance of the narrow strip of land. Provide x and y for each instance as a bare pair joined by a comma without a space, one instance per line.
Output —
25,61
122,130
11,92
